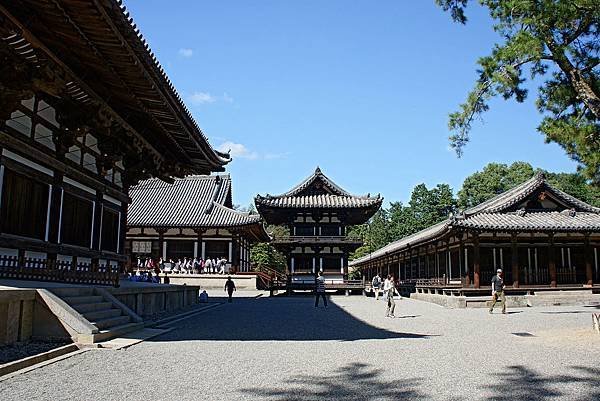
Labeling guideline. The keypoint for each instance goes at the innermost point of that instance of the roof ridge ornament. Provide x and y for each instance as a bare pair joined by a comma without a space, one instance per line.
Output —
318,170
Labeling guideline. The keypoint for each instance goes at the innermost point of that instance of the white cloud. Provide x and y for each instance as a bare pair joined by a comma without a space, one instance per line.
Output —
187,53
237,150
198,98
202,98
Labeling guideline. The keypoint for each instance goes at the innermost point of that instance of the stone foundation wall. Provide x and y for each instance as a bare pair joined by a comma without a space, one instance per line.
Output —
555,298
151,300
24,315
214,281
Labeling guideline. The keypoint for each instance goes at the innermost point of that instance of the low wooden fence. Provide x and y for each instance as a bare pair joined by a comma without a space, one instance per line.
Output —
13,267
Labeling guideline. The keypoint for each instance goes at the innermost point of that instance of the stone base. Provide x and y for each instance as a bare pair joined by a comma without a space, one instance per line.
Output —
214,281
566,298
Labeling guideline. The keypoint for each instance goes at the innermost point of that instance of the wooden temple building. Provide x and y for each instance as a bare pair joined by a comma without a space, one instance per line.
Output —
317,213
539,235
191,218
86,111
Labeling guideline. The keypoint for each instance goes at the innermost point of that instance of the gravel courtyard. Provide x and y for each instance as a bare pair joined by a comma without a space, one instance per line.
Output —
285,349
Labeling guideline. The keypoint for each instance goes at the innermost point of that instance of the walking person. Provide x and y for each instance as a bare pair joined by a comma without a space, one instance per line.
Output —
376,283
390,291
320,289
229,287
498,291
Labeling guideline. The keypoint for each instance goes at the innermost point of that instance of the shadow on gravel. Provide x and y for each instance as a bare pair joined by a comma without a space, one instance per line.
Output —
357,381
521,383
281,319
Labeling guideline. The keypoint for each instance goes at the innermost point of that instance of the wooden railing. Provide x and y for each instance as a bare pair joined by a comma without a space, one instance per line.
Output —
13,267
309,239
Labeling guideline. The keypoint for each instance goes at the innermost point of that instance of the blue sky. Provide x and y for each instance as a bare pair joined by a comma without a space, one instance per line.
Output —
362,89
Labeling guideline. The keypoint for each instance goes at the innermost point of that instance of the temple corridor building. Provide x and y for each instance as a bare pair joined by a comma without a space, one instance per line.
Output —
191,218
317,213
539,235
86,111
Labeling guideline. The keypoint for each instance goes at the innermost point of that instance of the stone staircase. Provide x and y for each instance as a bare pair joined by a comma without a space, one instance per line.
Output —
99,308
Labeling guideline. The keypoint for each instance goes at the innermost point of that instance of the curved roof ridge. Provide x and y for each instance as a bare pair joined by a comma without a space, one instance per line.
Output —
252,218
318,174
518,193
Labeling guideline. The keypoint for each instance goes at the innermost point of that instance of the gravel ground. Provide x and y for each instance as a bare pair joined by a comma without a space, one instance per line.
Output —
9,353
285,349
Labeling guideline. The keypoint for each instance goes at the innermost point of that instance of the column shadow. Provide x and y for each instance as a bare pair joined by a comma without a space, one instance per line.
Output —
352,382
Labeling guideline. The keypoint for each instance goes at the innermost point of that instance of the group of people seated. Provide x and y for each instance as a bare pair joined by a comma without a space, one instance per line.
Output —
185,266
145,277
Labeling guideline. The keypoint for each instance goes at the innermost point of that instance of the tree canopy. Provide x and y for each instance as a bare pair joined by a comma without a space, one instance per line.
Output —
555,40
263,254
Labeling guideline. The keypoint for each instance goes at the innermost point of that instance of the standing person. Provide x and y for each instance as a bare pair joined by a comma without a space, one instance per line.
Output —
229,287
498,291
208,266
376,283
391,292
320,289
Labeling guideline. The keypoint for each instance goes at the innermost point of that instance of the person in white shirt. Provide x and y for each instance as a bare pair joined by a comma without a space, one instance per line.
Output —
391,291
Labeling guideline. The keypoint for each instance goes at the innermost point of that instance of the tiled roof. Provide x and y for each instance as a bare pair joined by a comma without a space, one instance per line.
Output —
319,201
301,197
495,214
194,201
538,221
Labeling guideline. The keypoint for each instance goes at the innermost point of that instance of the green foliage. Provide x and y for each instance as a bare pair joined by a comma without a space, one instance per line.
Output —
558,40
264,255
426,207
494,179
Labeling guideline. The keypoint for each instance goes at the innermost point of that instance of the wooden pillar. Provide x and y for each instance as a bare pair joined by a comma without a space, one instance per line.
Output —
476,262
97,227
514,251
587,254
552,261
462,261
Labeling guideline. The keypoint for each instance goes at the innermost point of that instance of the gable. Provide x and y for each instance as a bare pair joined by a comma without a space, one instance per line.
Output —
543,200
317,187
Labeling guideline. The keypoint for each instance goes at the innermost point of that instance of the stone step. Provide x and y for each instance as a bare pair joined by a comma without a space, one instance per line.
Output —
102,314
109,322
90,299
117,331
84,308
73,291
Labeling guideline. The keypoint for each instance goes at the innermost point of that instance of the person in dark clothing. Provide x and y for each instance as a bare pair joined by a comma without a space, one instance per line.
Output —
229,287
320,289
498,291
166,279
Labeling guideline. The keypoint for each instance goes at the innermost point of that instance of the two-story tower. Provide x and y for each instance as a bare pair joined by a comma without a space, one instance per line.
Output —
318,214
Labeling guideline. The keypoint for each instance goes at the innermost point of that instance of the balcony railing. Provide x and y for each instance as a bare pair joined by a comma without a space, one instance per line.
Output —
305,239
13,267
